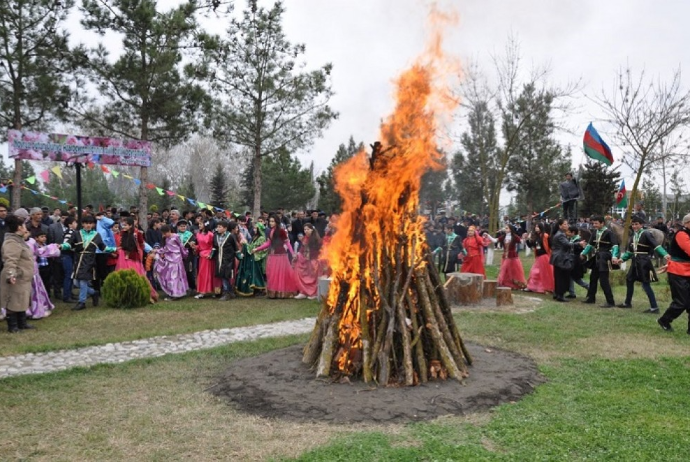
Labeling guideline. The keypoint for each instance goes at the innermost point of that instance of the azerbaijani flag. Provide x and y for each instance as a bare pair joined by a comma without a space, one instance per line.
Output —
595,147
622,196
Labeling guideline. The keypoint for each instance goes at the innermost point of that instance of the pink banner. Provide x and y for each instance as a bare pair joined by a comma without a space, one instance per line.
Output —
82,149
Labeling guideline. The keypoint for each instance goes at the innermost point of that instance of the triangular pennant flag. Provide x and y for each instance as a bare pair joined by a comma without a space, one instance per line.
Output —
62,202
210,207
218,209
54,198
45,195
56,170
201,204
181,197
31,179
160,191
45,175
150,186
191,201
136,181
3,189
105,169
115,173
90,164
129,177
33,192
170,193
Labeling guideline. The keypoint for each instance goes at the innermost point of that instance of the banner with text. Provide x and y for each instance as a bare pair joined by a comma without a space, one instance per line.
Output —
74,148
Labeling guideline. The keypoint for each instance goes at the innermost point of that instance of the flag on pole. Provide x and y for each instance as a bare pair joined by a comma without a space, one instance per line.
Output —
622,197
595,147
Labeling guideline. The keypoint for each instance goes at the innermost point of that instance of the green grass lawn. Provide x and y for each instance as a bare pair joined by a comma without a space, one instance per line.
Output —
617,390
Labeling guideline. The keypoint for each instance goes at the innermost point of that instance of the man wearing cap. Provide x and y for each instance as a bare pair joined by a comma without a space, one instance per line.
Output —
641,248
678,276
570,194
35,224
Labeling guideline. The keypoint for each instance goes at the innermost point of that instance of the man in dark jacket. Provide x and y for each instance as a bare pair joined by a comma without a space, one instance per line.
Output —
603,245
570,194
562,259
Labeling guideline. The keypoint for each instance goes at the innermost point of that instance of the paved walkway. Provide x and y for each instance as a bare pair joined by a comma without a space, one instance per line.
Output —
39,363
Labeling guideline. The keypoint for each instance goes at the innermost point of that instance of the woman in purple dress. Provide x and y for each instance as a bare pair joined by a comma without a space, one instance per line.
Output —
169,265
40,306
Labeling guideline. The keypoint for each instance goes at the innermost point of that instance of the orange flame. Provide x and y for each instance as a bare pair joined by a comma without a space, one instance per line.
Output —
380,204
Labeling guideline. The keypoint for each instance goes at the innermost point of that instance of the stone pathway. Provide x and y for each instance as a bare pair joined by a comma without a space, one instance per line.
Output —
39,363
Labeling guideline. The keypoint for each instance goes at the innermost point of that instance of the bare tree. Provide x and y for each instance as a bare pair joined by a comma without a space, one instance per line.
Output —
649,116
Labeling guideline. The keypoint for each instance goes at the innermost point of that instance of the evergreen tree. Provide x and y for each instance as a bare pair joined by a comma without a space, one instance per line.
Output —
541,163
33,68
219,188
599,184
473,168
432,193
147,83
329,200
269,103
287,183
652,198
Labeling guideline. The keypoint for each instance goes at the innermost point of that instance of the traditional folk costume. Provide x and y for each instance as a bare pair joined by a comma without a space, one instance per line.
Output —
187,238
474,259
169,267
604,245
251,274
450,253
578,270
280,275
84,244
307,268
511,273
206,282
490,244
678,277
132,258
225,251
541,275
641,249
40,306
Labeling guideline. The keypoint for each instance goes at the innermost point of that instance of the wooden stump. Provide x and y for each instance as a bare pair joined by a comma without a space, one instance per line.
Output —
504,296
465,288
489,290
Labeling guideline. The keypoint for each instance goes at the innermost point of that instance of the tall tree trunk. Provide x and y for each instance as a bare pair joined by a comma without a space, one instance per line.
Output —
143,197
256,208
17,178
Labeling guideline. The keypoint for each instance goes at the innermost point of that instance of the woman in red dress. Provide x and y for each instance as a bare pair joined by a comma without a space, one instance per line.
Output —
541,275
474,246
280,277
511,273
207,284
307,263
130,251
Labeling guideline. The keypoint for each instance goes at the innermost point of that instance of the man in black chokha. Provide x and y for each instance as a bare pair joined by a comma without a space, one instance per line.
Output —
603,247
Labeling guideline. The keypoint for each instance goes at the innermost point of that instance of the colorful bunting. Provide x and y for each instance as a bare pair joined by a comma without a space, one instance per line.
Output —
115,173
56,170
32,179
160,191
45,176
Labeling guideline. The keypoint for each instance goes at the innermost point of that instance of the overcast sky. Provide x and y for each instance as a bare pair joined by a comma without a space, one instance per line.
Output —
369,42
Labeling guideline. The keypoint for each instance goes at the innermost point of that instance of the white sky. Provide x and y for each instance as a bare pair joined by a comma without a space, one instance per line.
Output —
369,42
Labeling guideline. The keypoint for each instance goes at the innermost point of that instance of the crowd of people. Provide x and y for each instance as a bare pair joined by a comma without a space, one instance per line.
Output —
182,253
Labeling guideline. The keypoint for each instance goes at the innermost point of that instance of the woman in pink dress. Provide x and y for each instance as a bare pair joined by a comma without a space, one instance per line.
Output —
207,284
511,273
474,246
541,275
280,277
130,252
307,263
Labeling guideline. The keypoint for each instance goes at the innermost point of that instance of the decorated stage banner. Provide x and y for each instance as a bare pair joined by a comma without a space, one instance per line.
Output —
74,148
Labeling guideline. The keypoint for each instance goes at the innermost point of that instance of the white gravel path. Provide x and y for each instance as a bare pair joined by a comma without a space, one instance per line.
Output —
39,363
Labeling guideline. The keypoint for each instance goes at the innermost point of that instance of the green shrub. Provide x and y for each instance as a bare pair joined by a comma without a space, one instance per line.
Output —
126,289
5,202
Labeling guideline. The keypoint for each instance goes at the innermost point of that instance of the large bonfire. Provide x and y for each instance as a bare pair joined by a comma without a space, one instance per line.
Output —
386,318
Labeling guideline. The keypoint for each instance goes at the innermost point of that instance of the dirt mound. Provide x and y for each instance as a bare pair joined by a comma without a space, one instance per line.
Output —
278,385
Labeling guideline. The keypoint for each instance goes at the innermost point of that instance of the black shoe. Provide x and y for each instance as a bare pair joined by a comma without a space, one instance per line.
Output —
21,321
96,297
607,305
624,305
589,301
651,310
79,307
224,298
12,326
571,296
561,299
664,325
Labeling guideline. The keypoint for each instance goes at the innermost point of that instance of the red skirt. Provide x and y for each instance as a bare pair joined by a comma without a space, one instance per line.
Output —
541,275
127,263
280,277
206,280
474,265
511,274
307,276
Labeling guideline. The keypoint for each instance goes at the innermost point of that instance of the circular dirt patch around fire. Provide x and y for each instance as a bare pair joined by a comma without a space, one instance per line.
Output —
278,385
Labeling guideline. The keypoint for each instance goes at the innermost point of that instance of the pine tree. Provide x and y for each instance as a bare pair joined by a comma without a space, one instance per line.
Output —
34,68
432,193
599,184
162,101
269,103
287,183
329,200
219,188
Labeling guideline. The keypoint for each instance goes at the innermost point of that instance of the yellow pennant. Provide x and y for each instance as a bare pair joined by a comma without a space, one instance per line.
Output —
56,170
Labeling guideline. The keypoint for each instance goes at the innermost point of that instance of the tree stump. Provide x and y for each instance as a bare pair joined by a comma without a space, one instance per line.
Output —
490,288
504,296
465,288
